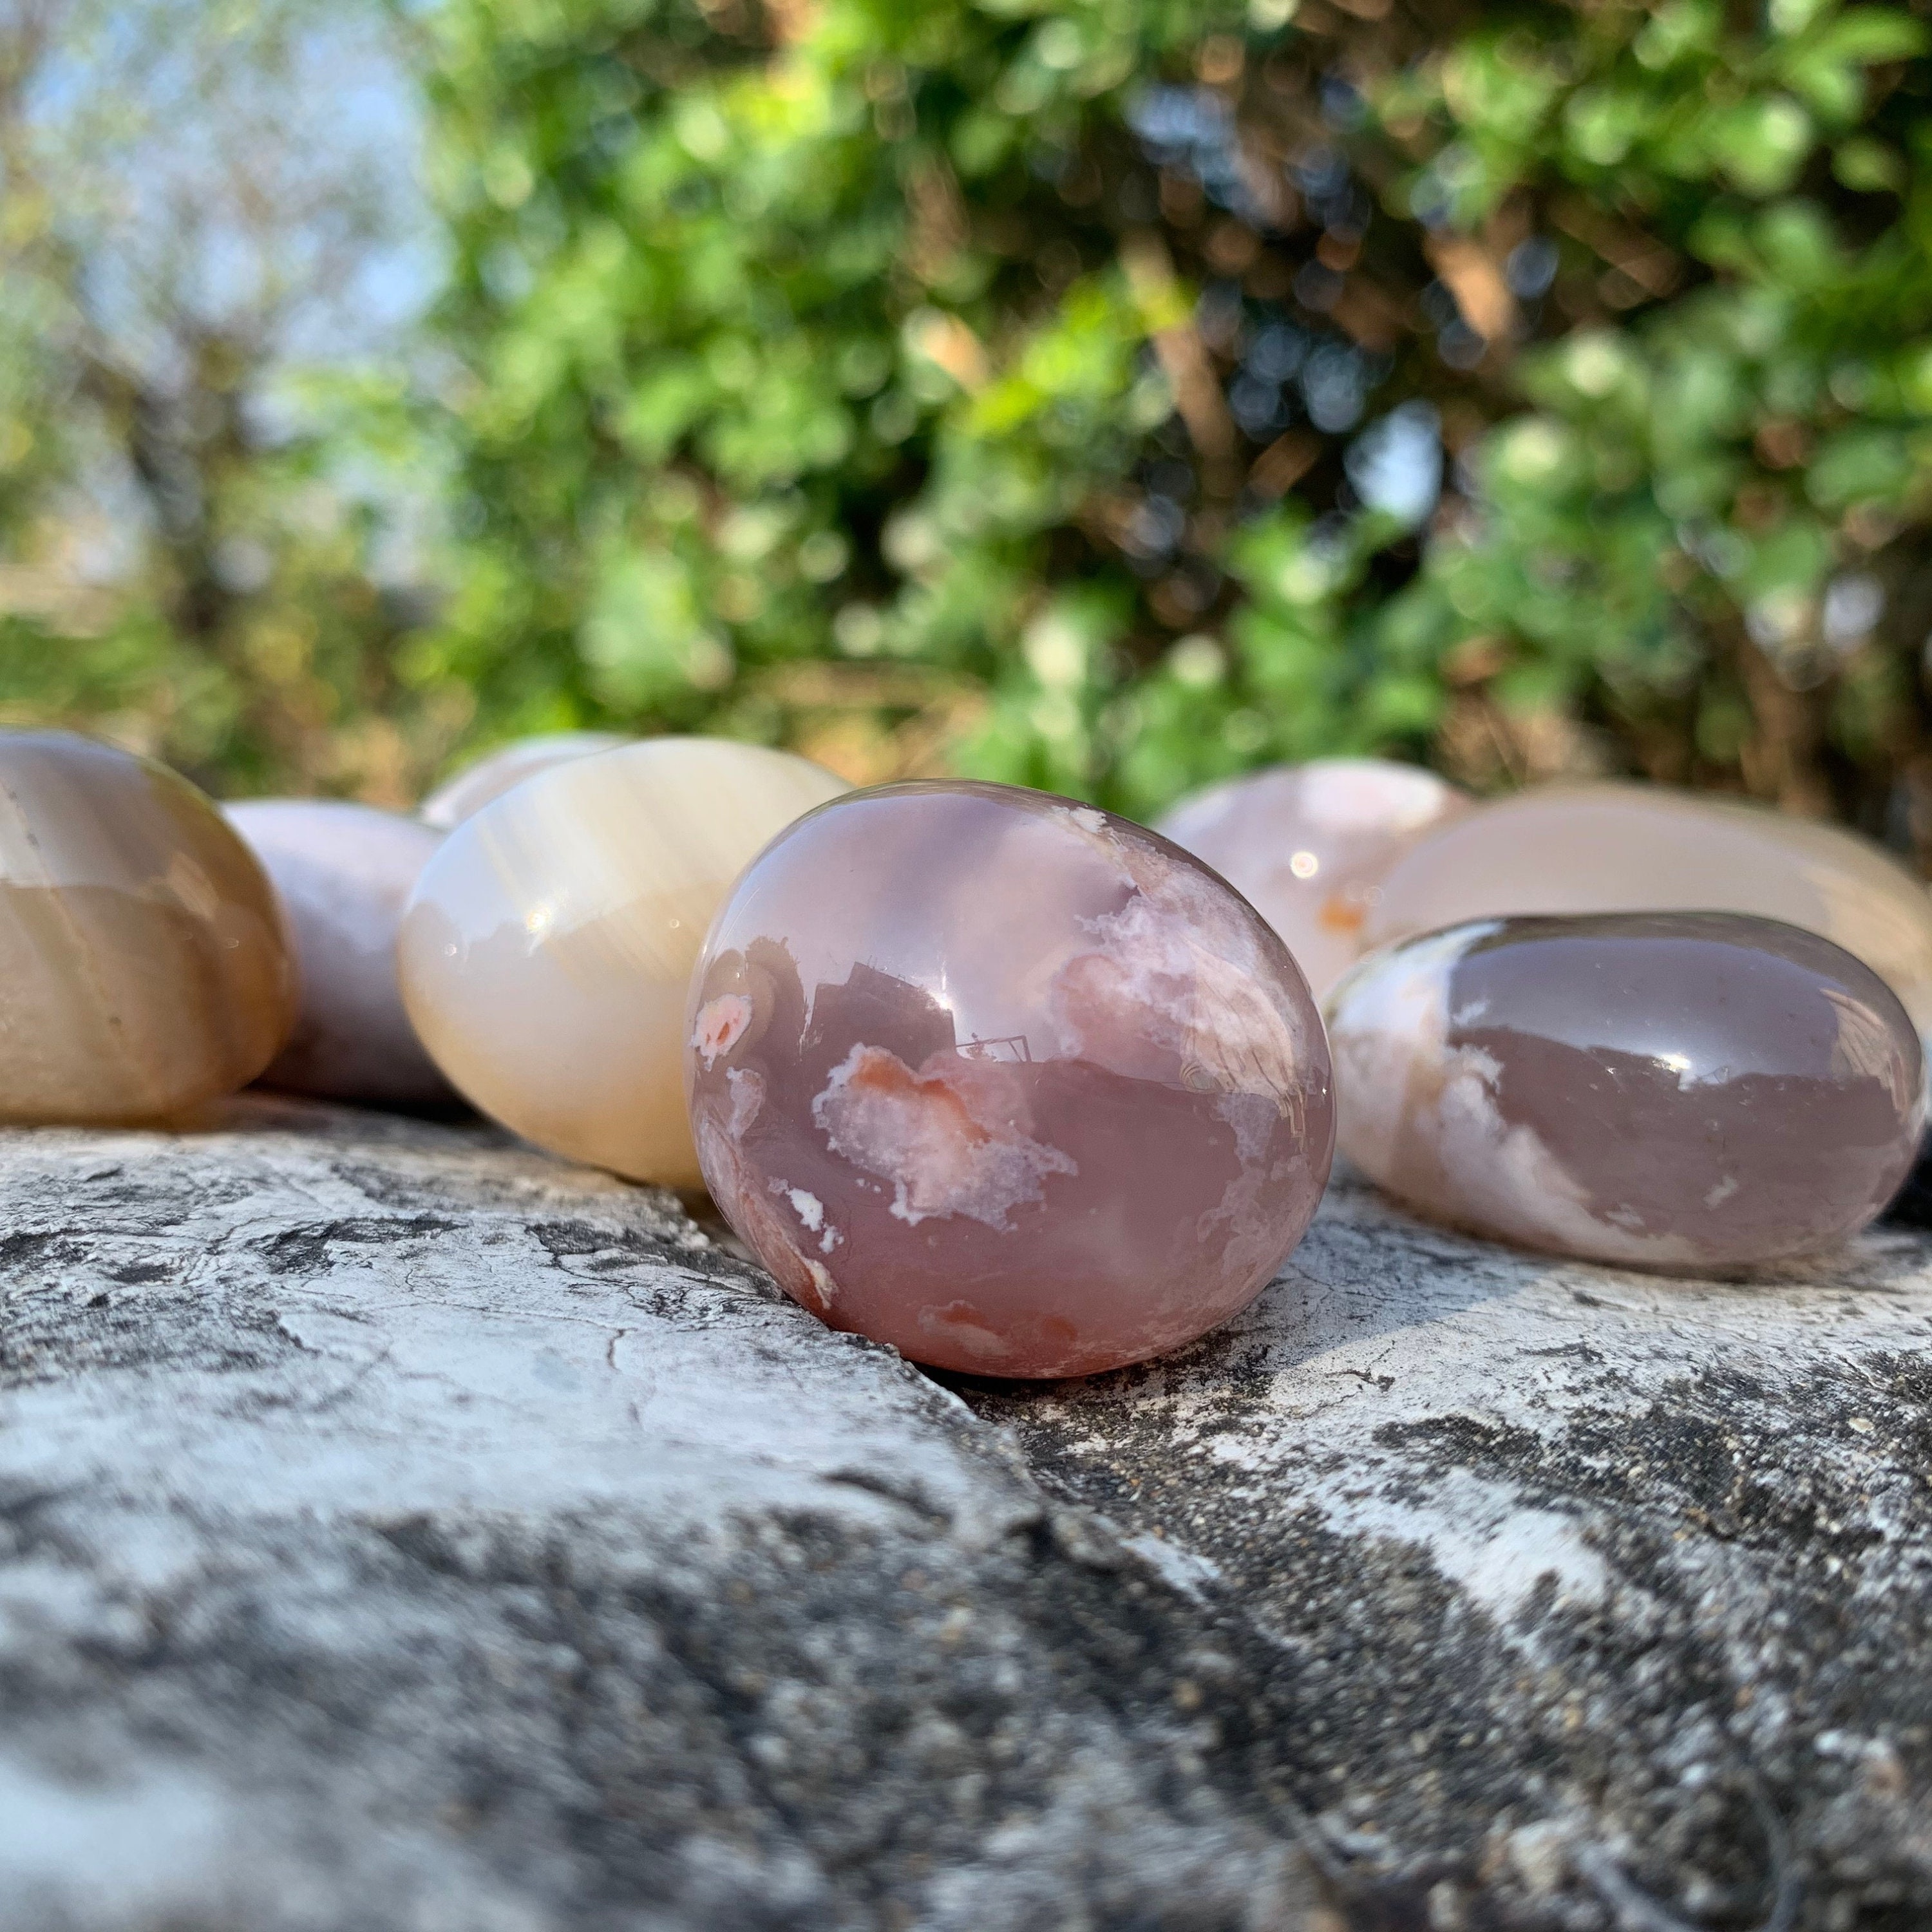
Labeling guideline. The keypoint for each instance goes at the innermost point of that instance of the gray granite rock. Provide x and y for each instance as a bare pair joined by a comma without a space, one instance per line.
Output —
399,1530
1596,1599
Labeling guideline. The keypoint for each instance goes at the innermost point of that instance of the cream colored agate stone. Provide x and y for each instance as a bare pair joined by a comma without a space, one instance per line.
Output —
143,956
1612,848
343,872
1308,846
547,950
1678,1090
496,772
1005,1082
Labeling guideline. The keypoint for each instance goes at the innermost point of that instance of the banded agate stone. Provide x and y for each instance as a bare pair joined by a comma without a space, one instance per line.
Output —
1607,847
547,950
343,871
496,772
1011,1084
1681,1091
145,966
1308,846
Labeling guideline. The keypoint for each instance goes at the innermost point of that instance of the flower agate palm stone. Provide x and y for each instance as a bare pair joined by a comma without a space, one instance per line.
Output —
1308,846
1675,1091
496,771
343,872
1600,848
142,954
1010,1083
547,950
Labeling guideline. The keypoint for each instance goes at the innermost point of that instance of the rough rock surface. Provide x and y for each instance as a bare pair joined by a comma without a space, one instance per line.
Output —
399,1530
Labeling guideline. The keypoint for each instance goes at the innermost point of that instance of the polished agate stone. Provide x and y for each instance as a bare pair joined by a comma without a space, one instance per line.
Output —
343,871
496,772
1635,848
1680,1090
142,951
546,952
1010,1083
1308,846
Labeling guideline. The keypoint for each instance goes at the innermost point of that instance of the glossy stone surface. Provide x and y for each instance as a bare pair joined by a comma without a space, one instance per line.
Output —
142,951
1309,845
1599,848
1681,1091
1005,1082
496,772
547,951
343,872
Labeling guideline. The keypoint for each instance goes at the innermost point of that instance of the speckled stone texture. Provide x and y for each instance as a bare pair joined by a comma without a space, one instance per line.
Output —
400,1531
1010,1083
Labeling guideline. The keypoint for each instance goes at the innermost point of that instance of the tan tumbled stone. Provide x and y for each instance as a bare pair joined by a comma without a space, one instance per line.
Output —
144,965
496,772
547,950
1609,847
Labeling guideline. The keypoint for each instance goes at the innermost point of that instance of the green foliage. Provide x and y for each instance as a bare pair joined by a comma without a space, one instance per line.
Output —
191,520
1013,386
1106,395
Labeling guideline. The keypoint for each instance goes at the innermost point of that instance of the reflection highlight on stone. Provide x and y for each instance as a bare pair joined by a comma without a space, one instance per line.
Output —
1008,1083
1678,1090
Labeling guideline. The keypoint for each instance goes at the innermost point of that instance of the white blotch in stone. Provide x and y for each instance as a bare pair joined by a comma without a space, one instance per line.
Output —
720,1025
1172,972
747,1086
943,1136
955,1323
821,1279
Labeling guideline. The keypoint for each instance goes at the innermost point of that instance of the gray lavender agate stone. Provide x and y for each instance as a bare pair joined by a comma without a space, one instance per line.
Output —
343,871
1008,1082
1684,1090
